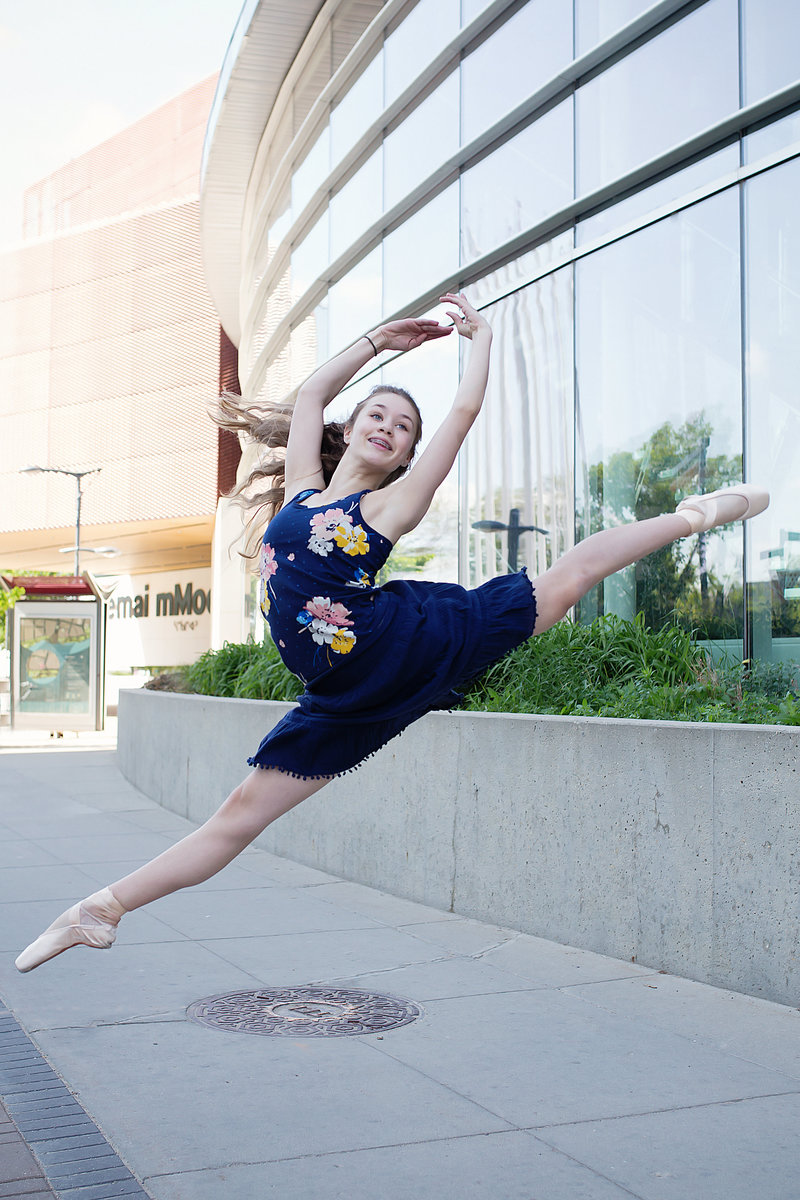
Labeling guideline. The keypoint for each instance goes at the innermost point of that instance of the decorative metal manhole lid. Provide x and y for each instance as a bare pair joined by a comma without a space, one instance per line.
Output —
303,1012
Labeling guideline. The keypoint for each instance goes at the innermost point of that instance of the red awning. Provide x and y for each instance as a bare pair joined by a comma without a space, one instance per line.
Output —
49,585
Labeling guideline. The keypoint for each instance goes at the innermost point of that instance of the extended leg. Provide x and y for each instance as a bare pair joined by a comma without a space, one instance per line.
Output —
254,804
600,555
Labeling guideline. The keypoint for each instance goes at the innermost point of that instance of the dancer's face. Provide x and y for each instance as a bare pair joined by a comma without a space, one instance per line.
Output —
384,431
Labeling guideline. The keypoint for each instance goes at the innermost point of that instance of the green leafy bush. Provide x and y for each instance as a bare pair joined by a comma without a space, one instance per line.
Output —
248,670
611,668
618,668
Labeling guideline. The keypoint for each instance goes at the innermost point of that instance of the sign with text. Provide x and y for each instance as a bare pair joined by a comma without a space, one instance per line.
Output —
159,620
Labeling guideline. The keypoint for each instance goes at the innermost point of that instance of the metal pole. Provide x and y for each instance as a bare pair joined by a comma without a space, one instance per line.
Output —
78,529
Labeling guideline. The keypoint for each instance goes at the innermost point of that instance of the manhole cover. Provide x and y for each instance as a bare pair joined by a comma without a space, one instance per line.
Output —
304,1012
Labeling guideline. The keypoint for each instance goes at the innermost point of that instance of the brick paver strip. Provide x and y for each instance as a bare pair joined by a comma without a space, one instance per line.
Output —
51,1145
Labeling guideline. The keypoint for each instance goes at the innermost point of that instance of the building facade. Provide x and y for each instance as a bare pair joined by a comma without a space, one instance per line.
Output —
615,183
111,352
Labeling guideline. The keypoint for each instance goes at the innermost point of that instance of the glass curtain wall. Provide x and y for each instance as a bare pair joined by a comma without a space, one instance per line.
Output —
644,346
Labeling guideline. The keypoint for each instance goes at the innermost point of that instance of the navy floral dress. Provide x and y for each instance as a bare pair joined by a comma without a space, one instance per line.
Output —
373,659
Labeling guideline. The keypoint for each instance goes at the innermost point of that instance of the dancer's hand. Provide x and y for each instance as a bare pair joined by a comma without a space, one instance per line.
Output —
407,334
468,321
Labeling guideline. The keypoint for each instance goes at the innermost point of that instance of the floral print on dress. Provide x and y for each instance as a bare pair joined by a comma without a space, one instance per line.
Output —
327,623
334,527
267,566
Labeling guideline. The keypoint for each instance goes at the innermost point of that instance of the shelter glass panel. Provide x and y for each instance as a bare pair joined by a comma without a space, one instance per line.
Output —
659,411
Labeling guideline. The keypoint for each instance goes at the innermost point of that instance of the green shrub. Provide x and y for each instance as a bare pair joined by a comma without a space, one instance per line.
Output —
248,670
618,668
611,668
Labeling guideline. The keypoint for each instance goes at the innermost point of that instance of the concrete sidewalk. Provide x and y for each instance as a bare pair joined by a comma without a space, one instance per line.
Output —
535,1071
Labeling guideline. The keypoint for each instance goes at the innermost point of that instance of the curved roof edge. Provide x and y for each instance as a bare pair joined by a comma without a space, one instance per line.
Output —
267,37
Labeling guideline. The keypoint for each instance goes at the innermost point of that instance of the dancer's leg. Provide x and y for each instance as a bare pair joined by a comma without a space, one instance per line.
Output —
254,804
599,556
263,797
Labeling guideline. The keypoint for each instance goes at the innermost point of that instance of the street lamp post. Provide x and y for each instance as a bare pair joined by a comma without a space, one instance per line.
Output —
77,476
515,531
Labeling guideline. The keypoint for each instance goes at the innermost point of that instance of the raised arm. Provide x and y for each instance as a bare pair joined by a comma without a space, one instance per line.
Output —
303,466
402,506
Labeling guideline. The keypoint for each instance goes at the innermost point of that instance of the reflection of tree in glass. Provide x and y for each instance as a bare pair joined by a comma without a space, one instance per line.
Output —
675,583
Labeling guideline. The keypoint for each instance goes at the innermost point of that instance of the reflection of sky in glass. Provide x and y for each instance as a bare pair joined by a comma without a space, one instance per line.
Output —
596,20
427,137
357,205
518,184
354,303
772,138
674,187
356,110
311,172
310,257
432,24
771,35
423,249
657,96
517,59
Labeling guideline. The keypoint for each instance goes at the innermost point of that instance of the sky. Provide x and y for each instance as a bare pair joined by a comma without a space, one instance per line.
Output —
75,72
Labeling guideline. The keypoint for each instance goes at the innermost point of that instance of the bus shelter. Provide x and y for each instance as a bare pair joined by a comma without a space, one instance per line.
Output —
57,644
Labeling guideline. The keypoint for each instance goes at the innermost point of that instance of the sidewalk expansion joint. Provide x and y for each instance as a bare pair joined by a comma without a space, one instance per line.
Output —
76,1159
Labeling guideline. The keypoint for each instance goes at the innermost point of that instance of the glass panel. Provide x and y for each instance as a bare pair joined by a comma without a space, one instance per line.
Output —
311,172
427,137
354,303
518,184
674,187
517,59
423,251
471,9
430,24
527,266
280,224
310,258
658,96
659,416
357,109
773,368
772,138
55,665
357,205
771,32
596,20
519,456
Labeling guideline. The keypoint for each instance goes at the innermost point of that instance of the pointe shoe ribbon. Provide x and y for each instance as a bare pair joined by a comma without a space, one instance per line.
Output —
724,506
91,922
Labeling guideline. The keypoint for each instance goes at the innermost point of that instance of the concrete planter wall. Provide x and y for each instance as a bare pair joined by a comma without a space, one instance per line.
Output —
677,845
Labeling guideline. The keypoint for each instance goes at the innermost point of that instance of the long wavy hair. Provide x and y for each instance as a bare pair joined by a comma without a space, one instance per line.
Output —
268,425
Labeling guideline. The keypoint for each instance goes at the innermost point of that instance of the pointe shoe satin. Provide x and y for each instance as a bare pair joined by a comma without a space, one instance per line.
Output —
719,508
91,922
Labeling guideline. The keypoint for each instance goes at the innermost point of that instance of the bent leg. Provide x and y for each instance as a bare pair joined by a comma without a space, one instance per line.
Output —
259,800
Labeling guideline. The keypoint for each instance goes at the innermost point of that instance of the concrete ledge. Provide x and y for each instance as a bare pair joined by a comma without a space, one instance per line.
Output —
671,844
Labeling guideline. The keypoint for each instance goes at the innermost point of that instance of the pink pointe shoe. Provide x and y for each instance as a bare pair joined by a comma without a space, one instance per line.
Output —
724,506
91,922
